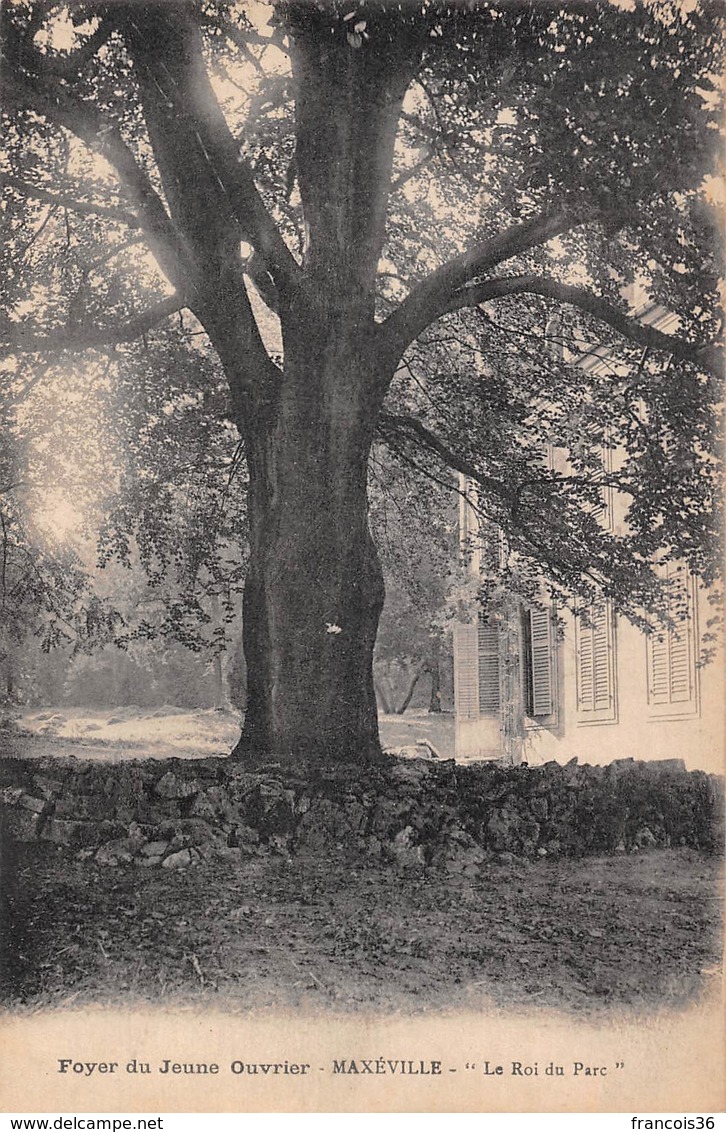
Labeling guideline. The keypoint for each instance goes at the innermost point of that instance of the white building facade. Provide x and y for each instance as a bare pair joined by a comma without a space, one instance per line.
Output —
540,684
599,691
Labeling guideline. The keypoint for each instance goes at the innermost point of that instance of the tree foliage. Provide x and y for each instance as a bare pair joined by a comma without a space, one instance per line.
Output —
45,593
415,525
439,209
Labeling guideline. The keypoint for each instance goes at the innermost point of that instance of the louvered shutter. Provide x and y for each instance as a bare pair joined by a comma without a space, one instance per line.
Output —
671,653
602,691
602,510
599,509
488,667
541,661
595,662
585,667
680,665
660,684
680,639
466,671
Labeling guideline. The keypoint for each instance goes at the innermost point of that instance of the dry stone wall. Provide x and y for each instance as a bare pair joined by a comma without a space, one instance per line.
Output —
417,812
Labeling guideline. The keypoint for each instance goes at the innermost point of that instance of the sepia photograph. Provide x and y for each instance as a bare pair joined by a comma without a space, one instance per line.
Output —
361,661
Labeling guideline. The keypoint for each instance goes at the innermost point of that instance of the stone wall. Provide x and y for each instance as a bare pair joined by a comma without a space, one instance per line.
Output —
412,812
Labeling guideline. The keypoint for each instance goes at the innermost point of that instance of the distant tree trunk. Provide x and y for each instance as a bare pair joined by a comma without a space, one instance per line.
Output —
411,689
237,677
117,680
382,697
435,672
221,699
513,727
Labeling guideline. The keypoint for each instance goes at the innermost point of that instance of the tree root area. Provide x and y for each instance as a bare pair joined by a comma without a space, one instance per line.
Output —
636,932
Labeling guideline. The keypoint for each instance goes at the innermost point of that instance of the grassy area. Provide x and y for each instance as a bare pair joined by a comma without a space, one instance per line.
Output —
132,732
411,728
170,732
640,932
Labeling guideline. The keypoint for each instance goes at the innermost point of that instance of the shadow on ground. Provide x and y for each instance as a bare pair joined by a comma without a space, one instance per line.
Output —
639,932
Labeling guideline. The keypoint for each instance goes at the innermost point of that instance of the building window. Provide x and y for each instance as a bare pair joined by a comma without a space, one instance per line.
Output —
538,663
488,666
671,652
595,664
476,669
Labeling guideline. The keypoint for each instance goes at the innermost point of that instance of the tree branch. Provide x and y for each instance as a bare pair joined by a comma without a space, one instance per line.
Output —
408,174
86,208
51,100
180,106
434,295
415,429
241,37
443,133
20,338
71,65
708,358
527,537
38,373
211,285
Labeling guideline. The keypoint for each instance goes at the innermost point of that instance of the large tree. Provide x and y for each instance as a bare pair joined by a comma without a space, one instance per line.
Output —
406,187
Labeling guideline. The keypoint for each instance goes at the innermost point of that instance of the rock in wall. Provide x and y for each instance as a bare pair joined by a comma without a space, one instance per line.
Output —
414,812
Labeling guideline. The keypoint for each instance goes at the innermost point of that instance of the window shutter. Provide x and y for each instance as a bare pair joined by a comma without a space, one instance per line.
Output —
671,666
680,659
602,510
602,689
488,667
466,671
595,663
541,661
660,691
585,667
680,639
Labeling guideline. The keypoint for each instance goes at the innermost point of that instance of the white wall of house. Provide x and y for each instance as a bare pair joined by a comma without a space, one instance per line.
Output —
637,700
684,720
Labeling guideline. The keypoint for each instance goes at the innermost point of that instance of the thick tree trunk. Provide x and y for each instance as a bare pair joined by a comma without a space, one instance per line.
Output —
314,591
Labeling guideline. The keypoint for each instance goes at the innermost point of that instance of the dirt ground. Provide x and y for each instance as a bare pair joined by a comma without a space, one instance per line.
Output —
114,734
639,932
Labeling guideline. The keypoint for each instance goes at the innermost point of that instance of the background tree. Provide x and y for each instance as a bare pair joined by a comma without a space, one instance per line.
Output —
178,505
403,182
46,598
414,524
125,537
